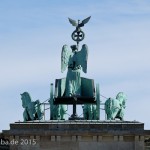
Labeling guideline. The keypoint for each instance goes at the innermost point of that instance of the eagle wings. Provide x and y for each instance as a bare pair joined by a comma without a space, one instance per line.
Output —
74,23
82,57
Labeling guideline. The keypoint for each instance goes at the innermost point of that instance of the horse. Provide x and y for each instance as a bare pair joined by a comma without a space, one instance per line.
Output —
32,109
90,112
58,112
114,108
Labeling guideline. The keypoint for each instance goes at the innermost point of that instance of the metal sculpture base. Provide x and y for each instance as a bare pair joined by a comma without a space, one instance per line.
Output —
74,115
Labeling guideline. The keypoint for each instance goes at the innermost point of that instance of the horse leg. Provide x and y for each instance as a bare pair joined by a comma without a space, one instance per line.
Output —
25,116
114,113
31,114
121,114
85,112
94,110
57,112
90,112
62,112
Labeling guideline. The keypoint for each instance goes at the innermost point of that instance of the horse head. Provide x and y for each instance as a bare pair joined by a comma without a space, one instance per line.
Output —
26,99
122,98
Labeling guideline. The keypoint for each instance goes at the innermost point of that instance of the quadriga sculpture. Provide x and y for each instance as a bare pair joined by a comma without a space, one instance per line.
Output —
32,110
114,108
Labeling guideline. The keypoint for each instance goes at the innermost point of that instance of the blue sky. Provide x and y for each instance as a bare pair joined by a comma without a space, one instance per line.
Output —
32,33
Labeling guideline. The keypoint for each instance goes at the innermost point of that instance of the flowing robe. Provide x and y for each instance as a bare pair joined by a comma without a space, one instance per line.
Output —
73,79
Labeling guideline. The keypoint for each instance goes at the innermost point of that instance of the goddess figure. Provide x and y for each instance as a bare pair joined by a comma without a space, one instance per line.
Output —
75,61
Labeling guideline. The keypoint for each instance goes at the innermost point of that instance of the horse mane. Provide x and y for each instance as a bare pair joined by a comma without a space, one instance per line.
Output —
26,96
121,95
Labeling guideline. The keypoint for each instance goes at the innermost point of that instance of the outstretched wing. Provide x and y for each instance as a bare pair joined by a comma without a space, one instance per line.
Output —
83,57
65,54
84,21
73,22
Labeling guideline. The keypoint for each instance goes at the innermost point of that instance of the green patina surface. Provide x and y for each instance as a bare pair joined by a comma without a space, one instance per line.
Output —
74,89
115,108
32,109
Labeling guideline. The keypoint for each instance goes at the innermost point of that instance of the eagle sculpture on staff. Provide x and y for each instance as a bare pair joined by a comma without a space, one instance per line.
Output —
78,35
75,61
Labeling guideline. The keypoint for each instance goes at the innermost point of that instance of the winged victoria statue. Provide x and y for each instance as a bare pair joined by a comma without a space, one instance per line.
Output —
74,60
